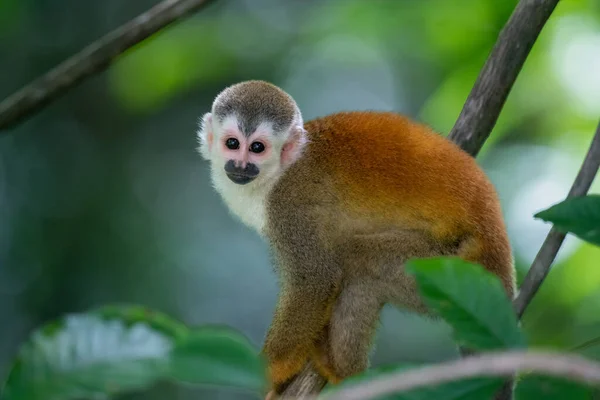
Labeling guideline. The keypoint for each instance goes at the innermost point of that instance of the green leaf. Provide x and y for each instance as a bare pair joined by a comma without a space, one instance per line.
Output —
218,356
470,299
533,387
468,389
578,215
124,348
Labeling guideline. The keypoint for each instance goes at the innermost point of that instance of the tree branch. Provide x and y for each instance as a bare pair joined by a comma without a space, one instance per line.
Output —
483,365
544,258
92,59
484,103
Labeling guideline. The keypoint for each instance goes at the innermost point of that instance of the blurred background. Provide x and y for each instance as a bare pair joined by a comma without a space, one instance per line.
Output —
103,198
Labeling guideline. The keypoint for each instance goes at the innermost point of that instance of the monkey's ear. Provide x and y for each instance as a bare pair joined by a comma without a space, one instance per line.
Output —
205,135
292,149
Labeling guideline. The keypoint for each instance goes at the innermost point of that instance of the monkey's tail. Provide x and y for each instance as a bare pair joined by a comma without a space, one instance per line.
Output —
491,249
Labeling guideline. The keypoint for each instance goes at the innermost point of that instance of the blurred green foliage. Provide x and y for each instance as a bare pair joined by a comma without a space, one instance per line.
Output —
120,349
103,198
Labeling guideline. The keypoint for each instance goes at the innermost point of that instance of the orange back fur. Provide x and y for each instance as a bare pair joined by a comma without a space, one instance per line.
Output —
391,171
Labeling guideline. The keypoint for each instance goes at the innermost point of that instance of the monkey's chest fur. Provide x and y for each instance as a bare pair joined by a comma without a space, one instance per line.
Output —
245,202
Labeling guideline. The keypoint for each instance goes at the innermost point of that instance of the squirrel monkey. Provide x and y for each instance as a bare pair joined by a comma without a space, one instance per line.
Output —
343,202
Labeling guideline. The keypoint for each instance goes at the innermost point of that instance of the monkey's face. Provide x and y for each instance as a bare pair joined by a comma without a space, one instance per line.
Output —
245,158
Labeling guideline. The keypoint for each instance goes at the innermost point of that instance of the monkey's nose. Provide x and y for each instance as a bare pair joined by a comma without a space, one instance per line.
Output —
240,164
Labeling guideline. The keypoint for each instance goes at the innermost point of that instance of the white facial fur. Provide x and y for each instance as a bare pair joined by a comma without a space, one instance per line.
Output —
247,202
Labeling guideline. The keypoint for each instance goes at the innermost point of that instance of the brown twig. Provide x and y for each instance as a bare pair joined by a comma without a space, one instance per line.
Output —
483,365
484,103
92,59
544,258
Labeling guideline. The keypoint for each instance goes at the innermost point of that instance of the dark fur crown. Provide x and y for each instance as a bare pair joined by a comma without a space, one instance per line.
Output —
253,102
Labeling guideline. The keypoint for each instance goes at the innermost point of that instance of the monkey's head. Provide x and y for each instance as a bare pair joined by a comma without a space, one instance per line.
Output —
252,133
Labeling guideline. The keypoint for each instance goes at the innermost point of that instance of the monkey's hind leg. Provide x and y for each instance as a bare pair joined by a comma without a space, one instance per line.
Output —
344,350
374,275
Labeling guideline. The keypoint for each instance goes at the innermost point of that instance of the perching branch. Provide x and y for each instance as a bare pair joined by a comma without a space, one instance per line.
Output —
484,103
544,258
92,59
308,384
483,365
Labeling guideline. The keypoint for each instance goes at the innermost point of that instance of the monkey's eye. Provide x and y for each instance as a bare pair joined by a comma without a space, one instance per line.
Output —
232,144
257,147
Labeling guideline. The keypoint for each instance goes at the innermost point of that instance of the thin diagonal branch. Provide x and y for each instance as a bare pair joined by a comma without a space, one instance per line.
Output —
92,59
484,103
544,258
483,365
486,100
